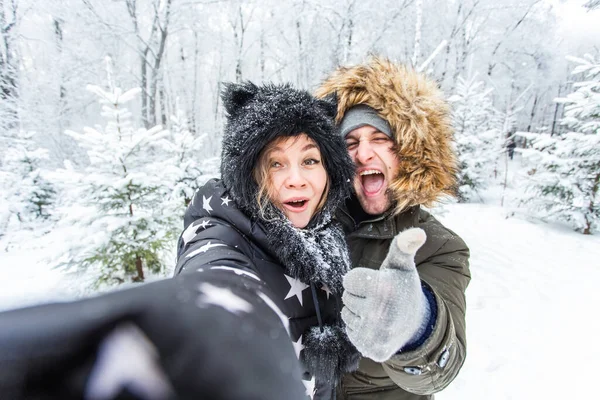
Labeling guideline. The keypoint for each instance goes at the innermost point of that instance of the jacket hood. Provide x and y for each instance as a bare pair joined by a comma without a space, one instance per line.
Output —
258,114
419,118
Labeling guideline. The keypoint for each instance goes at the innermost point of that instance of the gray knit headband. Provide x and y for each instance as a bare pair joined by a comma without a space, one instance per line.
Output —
361,115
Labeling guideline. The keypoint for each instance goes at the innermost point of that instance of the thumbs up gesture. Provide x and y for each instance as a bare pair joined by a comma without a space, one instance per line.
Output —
385,309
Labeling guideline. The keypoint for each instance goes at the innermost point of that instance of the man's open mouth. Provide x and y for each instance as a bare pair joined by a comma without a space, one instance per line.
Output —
372,181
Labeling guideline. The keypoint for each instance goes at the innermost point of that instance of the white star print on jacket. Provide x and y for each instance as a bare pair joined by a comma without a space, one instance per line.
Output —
127,345
310,387
298,346
326,290
296,288
204,249
189,233
204,224
192,230
222,297
206,204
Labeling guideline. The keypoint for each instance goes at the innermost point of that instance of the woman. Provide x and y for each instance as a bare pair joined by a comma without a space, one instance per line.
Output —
284,171
259,260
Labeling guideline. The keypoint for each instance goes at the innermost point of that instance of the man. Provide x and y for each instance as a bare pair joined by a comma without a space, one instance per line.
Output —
408,323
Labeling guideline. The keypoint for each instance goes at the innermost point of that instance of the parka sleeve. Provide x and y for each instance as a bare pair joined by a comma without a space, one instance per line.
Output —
434,365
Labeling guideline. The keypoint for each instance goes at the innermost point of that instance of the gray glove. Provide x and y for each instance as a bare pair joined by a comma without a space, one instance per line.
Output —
385,309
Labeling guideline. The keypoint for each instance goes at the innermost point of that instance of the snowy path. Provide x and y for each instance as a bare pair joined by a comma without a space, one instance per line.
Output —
531,321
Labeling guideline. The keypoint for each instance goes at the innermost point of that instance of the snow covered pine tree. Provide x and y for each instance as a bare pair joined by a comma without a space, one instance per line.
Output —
565,181
123,188
28,194
477,126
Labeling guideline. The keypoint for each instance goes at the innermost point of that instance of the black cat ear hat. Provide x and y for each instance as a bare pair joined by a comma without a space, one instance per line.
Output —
258,114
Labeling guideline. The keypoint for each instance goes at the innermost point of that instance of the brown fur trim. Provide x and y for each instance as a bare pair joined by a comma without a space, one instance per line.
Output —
420,119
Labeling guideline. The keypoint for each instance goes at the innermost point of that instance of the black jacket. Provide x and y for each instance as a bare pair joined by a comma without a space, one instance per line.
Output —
218,237
226,238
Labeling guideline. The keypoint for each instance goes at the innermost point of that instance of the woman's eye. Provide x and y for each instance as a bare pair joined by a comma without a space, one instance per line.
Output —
275,164
312,161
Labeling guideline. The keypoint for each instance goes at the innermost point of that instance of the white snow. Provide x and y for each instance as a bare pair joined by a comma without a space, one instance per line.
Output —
531,325
531,320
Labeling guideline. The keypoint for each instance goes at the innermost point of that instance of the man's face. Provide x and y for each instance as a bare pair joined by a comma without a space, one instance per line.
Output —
376,165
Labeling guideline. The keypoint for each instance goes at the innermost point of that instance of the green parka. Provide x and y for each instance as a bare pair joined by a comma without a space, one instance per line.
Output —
443,264
419,118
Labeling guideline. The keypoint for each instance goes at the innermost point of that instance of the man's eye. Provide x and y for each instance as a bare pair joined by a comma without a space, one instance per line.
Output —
381,139
351,144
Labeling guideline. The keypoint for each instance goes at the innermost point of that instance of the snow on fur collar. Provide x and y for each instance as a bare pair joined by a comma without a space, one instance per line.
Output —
419,117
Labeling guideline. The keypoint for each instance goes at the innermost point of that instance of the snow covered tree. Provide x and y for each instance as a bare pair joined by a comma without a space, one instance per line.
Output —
122,192
189,171
27,193
478,136
565,183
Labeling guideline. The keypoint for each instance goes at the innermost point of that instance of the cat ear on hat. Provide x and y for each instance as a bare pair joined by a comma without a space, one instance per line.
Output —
329,105
236,95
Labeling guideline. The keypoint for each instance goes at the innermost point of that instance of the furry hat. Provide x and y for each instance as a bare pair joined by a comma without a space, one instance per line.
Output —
420,120
258,114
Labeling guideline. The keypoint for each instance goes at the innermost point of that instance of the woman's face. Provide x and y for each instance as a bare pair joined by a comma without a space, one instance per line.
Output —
298,178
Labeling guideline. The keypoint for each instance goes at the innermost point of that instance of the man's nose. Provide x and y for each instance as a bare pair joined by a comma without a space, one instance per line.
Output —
295,178
364,152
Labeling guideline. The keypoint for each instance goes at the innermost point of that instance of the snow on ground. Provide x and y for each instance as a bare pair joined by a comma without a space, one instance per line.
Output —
531,322
24,280
532,325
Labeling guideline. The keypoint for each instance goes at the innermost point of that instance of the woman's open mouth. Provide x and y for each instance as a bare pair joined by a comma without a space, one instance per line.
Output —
296,205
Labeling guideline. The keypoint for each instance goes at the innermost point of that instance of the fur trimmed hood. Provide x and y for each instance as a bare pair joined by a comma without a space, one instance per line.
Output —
420,120
258,114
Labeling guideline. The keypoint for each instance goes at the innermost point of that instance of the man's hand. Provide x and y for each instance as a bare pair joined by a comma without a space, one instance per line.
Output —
385,309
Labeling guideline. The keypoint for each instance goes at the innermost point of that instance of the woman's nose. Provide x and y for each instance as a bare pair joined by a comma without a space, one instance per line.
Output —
295,178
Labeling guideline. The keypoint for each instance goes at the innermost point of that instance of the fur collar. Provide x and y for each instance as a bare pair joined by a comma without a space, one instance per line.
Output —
419,117
315,255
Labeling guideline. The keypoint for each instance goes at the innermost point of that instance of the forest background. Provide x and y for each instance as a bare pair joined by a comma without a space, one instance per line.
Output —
110,113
